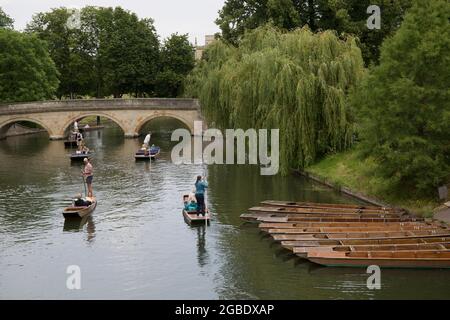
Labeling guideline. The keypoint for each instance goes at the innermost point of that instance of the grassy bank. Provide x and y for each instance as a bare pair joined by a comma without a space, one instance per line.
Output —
349,169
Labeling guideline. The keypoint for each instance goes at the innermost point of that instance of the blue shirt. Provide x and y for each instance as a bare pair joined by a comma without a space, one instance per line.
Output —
200,187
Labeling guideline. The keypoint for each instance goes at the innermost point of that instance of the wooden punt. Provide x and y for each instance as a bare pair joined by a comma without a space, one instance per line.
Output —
80,212
192,218
324,212
292,225
149,154
363,235
258,218
291,244
80,156
316,230
295,216
438,246
291,204
395,259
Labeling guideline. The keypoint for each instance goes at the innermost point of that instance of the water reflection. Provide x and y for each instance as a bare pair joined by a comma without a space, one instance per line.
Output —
77,224
202,254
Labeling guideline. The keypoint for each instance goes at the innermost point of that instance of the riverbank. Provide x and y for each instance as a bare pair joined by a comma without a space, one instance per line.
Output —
350,172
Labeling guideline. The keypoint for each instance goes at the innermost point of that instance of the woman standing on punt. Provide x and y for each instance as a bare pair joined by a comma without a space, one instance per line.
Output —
200,186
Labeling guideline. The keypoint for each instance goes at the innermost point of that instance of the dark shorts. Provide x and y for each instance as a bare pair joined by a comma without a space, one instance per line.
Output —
89,179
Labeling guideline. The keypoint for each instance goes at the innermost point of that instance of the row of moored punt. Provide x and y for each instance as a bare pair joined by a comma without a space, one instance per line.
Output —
354,235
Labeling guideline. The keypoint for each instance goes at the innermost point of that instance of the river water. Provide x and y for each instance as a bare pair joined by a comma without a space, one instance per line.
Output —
136,244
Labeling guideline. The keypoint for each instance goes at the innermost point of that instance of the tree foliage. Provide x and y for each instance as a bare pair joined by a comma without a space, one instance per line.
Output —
110,51
6,22
27,72
344,16
295,81
177,60
404,105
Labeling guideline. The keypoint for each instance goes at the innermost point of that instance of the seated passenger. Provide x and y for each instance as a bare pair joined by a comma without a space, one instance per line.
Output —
80,202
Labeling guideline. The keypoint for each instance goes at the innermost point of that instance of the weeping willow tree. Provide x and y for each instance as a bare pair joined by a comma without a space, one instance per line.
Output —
295,81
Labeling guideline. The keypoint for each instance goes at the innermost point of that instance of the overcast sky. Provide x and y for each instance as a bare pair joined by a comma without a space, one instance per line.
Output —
195,17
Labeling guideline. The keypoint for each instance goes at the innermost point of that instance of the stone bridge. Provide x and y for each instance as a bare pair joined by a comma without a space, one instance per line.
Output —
129,114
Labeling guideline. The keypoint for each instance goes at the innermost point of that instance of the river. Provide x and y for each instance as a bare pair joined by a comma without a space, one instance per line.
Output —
136,244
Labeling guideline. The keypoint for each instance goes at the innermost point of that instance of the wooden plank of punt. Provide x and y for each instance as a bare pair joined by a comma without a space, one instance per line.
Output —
292,204
362,235
252,217
316,230
319,211
321,215
438,246
293,225
396,259
290,245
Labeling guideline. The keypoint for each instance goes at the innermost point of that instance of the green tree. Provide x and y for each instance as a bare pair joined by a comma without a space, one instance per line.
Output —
109,51
130,54
344,16
296,81
177,60
27,73
404,104
6,22
62,42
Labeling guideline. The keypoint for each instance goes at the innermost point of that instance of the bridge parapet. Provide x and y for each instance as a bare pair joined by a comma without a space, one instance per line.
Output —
100,104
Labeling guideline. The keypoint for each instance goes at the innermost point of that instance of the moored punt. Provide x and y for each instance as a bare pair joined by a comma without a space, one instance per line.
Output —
395,259
292,225
291,244
258,218
438,246
286,210
321,215
292,204
80,212
316,230
363,235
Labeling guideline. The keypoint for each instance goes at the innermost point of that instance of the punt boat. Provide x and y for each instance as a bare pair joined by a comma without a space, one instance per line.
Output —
76,156
147,154
192,218
80,212
258,218
315,230
291,204
324,212
363,235
395,259
438,246
265,226
291,244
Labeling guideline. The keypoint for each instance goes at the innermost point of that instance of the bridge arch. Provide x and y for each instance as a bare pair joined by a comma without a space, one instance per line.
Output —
130,115
6,125
188,124
68,123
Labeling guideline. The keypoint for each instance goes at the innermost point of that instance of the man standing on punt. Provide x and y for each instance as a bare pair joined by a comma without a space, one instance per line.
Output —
200,186
88,174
